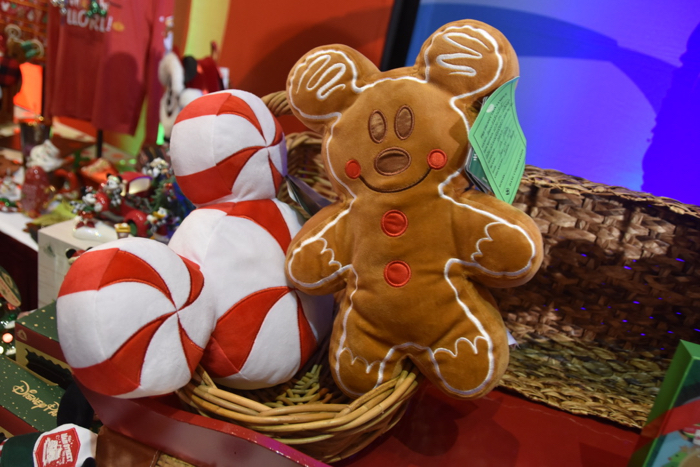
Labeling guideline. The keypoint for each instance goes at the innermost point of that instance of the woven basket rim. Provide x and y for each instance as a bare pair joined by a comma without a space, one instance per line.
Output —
324,427
552,178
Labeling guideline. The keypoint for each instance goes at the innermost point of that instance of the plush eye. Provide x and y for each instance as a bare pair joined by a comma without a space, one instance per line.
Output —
404,122
377,126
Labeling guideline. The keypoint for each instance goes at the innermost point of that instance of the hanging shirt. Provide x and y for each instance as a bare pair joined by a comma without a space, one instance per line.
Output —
101,68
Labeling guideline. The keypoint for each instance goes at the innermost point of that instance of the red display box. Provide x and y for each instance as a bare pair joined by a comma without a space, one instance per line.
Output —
38,349
202,441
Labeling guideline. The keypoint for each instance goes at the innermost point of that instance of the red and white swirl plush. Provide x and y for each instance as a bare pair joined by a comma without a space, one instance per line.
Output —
241,320
265,329
132,318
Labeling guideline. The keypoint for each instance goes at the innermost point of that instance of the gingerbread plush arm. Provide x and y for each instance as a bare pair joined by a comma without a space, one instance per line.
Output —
316,263
502,246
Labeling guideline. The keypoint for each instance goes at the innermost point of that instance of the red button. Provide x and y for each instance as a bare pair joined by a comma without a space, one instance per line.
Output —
397,273
353,169
394,223
437,159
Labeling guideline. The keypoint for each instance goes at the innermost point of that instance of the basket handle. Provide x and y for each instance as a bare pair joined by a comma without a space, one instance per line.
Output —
277,103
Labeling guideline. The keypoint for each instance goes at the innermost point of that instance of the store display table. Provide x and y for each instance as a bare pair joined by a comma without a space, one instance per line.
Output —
499,430
19,251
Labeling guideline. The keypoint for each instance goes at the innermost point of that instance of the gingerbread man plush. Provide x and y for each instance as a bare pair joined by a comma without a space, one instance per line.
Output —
410,244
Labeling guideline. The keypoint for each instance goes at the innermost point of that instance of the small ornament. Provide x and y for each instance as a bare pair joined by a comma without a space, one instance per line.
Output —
9,188
37,191
61,4
9,310
86,208
113,188
96,9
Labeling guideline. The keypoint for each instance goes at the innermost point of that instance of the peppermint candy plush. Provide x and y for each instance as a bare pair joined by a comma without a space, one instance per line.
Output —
132,319
135,316
265,328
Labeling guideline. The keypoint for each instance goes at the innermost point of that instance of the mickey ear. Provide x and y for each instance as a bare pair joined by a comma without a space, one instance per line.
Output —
171,73
189,65
468,58
324,82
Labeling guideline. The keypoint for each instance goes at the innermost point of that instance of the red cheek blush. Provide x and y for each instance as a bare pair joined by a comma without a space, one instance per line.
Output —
353,169
437,159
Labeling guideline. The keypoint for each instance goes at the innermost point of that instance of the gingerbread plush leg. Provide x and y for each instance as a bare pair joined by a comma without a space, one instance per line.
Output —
360,368
470,358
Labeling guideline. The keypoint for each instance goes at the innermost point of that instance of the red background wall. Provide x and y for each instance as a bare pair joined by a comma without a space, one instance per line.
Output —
264,39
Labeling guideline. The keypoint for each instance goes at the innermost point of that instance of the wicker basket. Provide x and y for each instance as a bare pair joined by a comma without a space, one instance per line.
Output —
618,288
596,326
308,412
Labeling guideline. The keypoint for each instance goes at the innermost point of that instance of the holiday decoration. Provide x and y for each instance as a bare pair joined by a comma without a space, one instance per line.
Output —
96,8
68,445
36,192
10,302
138,299
16,50
176,95
28,403
45,155
184,80
410,244
10,192
671,436
147,204
135,316
37,345
61,5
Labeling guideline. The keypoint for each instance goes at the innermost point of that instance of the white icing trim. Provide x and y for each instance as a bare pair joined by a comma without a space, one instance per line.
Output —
319,237
497,220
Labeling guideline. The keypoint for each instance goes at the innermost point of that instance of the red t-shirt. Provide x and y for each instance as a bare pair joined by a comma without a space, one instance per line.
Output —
100,69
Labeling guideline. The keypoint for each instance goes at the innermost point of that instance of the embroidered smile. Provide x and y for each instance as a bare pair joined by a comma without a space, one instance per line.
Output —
395,190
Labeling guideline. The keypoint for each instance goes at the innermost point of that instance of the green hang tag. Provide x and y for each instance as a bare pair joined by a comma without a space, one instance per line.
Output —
498,140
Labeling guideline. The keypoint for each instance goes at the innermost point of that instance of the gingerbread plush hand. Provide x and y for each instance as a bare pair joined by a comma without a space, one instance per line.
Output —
412,247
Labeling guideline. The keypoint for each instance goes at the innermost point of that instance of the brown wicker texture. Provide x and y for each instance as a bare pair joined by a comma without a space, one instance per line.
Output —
618,288
165,460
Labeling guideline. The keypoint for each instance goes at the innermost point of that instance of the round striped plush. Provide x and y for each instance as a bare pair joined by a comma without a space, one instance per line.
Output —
133,318
265,328
227,146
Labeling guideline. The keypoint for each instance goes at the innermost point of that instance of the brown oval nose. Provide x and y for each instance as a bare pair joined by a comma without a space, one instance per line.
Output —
392,161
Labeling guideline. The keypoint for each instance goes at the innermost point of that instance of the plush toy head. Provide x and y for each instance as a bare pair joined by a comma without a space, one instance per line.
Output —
239,147
411,248
176,95
403,120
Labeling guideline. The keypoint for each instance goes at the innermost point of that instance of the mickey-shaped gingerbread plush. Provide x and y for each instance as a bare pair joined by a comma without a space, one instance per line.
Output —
409,243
